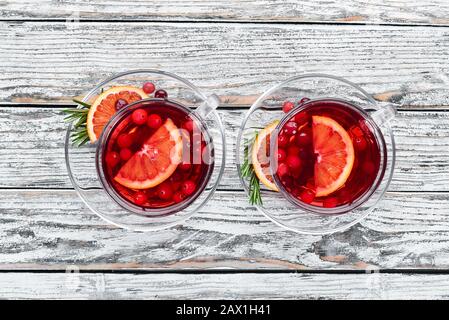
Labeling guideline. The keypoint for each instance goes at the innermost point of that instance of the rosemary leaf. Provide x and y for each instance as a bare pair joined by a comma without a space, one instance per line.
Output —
247,172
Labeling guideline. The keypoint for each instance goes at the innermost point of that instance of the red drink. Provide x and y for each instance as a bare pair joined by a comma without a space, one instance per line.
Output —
328,154
156,157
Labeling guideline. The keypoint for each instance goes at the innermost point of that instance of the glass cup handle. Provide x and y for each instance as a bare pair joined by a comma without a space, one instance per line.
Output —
208,106
385,114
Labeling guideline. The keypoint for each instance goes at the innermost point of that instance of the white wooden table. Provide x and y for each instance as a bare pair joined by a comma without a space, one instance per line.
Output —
51,51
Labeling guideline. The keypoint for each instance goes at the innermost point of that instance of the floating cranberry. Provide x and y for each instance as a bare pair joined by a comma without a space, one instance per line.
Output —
282,141
293,162
124,140
360,143
282,155
287,106
162,94
154,121
356,131
302,118
139,116
125,154
188,187
164,191
188,125
120,103
293,150
140,198
307,196
282,169
112,159
290,128
179,197
304,138
330,202
148,87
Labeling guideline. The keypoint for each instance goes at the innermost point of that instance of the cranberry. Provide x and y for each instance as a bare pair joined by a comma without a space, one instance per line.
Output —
175,186
303,100
188,125
310,184
302,118
293,162
307,196
330,202
112,159
120,103
184,166
148,87
287,106
282,169
293,151
125,154
154,121
304,138
360,143
124,140
164,191
188,187
140,198
356,131
290,128
282,141
282,155
139,116
160,94
179,197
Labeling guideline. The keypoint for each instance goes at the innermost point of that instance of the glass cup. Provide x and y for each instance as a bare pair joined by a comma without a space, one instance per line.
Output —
283,207
85,164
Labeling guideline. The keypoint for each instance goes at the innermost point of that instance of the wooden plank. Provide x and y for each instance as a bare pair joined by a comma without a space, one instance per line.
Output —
32,150
222,286
51,229
53,62
353,11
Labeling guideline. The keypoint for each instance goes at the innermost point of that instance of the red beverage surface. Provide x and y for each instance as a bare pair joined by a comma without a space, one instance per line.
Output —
297,164
137,133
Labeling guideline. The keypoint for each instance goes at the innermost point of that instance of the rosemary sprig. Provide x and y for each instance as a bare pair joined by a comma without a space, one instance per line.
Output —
78,118
247,171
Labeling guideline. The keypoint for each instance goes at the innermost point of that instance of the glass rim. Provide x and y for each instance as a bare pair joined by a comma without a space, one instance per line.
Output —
363,197
148,212
79,190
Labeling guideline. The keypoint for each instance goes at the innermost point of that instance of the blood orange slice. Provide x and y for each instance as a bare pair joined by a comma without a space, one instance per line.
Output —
104,108
335,155
261,156
155,161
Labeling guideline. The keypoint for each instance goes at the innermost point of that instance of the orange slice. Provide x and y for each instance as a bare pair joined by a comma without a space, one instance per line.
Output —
103,107
261,156
335,155
155,161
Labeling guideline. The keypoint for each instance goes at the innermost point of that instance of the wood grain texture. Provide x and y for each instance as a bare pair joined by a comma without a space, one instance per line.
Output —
32,150
354,11
222,286
53,62
52,229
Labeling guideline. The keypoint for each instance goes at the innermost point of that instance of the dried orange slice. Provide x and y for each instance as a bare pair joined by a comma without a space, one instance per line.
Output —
155,161
335,155
261,156
103,107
